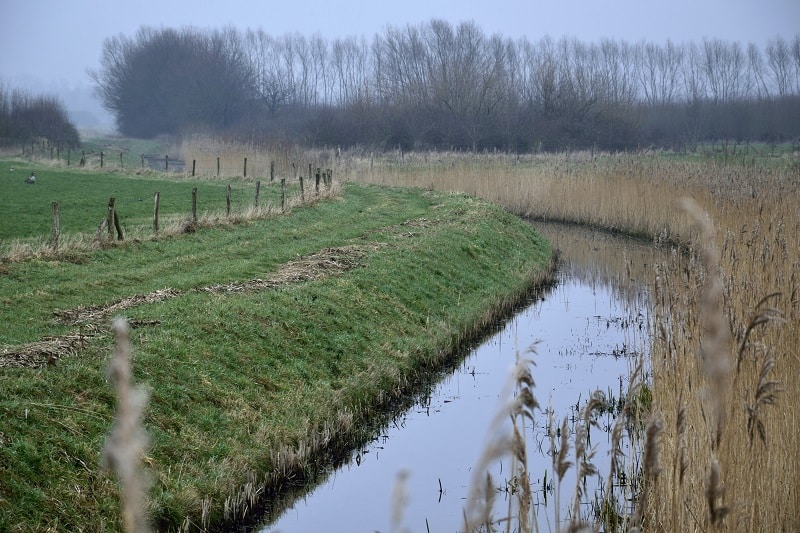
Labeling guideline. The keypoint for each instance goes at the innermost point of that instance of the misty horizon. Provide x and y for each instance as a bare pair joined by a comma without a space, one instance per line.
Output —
50,49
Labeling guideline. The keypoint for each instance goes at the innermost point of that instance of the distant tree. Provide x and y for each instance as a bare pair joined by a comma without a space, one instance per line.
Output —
658,70
24,117
270,73
723,65
781,67
165,81
5,115
435,85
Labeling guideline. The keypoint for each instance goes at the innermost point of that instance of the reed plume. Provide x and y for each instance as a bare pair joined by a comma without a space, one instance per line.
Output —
128,439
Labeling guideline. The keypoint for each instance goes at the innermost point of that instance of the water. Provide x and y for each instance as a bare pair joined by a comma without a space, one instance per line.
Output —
588,333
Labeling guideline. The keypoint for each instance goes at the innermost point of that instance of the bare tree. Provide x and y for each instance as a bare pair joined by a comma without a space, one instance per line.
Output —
271,76
796,57
757,86
723,66
659,71
779,61
350,62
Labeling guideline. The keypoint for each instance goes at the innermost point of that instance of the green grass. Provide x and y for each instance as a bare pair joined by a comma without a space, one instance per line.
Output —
26,212
236,378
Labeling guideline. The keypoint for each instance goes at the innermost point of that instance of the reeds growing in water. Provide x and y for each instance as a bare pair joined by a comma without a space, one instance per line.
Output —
720,450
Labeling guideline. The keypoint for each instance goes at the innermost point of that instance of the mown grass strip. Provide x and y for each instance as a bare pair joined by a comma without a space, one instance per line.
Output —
249,389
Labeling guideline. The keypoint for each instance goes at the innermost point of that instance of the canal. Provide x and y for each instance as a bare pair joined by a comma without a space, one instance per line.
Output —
585,335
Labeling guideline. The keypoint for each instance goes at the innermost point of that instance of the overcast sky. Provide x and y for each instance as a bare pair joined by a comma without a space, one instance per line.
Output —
47,46
57,41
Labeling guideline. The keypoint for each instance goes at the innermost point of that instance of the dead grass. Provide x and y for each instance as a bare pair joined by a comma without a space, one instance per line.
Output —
263,161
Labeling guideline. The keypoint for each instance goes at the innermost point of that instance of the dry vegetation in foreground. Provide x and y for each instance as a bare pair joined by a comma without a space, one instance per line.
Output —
725,359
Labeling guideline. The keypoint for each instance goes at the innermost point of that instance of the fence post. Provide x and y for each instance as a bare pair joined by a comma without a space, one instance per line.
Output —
166,163
69,152
101,159
217,166
118,226
228,201
271,170
110,218
56,226
258,191
155,212
317,176
283,194
194,205
120,160
194,163
302,190
245,168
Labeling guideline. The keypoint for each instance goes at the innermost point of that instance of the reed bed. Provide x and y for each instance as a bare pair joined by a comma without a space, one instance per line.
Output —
720,450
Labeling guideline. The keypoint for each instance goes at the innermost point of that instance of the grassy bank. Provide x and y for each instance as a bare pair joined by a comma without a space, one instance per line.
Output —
267,348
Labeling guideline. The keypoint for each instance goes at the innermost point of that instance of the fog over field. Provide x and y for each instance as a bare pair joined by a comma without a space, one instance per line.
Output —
48,47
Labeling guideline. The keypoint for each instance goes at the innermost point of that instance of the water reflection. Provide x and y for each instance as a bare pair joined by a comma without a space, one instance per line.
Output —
590,330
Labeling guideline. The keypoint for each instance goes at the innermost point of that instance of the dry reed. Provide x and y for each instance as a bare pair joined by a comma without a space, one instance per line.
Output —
742,383
128,439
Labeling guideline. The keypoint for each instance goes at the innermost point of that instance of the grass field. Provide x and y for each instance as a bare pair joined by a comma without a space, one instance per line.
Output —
83,199
266,347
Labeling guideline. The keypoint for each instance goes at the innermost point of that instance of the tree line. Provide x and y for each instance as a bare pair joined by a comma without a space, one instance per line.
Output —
436,85
27,119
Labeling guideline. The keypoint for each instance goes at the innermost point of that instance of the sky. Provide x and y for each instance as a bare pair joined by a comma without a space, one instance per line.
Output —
48,46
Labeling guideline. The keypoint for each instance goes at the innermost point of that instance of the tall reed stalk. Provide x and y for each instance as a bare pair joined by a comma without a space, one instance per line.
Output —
128,439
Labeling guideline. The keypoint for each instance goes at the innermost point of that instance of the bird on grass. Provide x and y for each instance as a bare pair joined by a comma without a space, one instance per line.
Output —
31,179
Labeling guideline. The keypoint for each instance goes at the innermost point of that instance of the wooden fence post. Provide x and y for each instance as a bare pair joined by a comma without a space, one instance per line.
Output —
217,166
101,159
194,205
283,194
56,226
302,190
317,176
258,191
69,153
155,212
166,163
194,164
118,226
271,170
110,218
228,201
245,168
